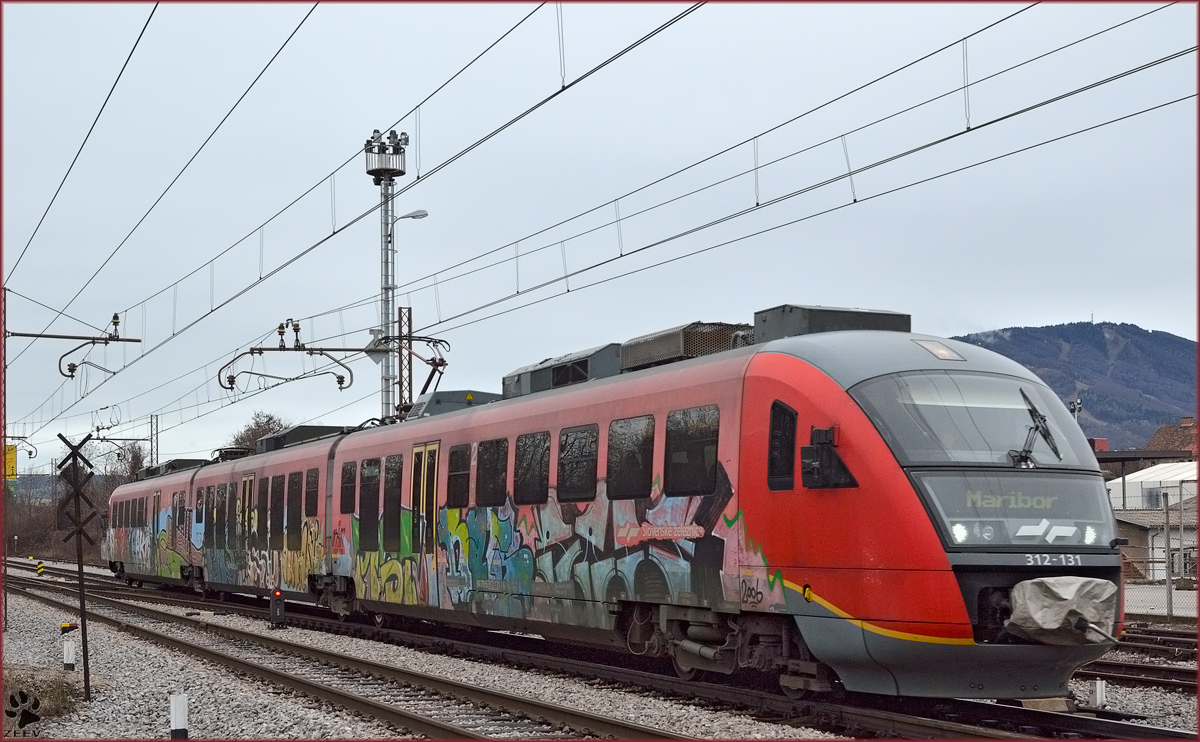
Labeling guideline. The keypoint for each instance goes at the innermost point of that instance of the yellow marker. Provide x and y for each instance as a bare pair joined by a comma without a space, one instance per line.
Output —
470,398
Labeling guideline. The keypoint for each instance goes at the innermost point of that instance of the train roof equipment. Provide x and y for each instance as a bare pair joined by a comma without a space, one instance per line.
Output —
167,467
694,340
441,402
560,371
297,434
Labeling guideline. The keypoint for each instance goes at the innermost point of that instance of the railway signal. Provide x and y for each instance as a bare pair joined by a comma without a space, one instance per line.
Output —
277,619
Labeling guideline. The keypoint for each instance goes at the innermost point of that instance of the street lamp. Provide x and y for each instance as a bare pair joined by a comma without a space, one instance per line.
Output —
1074,407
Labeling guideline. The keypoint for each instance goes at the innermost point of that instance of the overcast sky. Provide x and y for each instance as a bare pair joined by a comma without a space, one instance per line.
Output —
1098,225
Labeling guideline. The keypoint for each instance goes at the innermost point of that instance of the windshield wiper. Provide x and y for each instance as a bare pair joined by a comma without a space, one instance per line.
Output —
1024,457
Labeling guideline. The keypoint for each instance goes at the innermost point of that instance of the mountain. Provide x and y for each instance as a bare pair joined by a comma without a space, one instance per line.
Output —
1130,380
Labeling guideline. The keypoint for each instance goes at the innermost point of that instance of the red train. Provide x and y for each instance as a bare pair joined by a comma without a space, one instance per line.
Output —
871,509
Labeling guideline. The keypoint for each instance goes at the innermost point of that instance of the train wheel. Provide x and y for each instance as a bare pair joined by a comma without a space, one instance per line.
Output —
796,694
137,583
382,620
685,673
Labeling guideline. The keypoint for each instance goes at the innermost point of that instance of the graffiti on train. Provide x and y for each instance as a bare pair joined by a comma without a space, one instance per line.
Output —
561,561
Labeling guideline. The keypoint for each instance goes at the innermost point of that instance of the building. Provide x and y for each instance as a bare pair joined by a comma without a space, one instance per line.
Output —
1144,557
1145,489
1181,437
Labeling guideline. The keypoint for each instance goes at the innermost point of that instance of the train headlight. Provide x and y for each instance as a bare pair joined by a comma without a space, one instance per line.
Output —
1089,535
988,533
959,531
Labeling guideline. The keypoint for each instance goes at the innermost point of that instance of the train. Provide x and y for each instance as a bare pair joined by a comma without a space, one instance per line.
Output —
823,496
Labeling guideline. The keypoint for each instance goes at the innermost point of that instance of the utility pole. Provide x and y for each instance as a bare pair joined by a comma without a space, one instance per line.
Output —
406,330
385,162
153,441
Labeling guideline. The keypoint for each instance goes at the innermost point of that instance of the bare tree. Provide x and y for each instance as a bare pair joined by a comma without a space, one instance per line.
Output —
260,424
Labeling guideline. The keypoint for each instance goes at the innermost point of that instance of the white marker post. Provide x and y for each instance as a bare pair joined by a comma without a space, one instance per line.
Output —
179,722
68,655
1096,697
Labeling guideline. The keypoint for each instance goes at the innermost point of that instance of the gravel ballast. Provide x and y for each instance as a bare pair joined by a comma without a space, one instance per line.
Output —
132,679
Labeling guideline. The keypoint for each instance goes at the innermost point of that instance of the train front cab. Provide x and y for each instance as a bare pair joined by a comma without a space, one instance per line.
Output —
914,509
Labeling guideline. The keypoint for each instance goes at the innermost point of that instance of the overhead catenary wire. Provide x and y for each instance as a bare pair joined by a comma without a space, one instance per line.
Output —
81,146
721,181
850,174
178,175
1078,41
772,228
732,147
346,162
177,332
824,212
52,309
981,80
1027,61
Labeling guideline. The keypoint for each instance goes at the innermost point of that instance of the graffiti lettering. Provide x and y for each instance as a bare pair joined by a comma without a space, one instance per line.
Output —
751,595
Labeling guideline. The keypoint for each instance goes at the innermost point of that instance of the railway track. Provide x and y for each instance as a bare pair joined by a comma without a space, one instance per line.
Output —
1167,676
1179,644
869,715
425,704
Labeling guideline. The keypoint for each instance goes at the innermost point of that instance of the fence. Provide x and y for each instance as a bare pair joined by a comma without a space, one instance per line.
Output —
1159,564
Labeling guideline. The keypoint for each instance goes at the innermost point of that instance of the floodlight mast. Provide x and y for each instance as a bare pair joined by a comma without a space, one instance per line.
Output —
385,162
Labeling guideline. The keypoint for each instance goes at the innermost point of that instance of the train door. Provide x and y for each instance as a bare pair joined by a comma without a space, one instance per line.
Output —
424,515
154,533
247,502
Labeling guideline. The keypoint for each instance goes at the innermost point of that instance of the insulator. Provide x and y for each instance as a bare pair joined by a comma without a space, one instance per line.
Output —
229,380
341,380
71,369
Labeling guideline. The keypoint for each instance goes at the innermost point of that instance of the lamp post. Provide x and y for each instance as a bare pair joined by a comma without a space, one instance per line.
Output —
385,162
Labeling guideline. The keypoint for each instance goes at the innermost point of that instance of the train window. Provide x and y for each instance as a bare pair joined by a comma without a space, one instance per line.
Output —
368,506
393,468
198,506
577,451
219,524
349,471
142,521
295,488
781,448
275,529
246,500
630,458
231,519
691,465
312,488
458,485
531,480
175,511
491,473
260,513
210,509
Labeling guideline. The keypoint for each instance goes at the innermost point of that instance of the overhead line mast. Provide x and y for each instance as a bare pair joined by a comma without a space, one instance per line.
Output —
385,162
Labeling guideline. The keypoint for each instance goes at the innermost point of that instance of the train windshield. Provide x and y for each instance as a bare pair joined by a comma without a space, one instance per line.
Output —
1036,510
945,417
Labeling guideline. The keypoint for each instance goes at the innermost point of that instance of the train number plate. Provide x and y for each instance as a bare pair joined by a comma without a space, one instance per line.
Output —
1054,560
